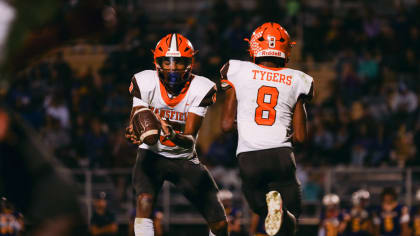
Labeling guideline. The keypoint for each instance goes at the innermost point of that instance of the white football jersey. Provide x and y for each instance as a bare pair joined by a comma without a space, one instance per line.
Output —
149,92
266,100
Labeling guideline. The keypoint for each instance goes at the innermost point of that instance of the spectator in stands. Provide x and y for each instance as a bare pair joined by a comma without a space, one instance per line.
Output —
96,144
312,191
55,107
391,217
415,215
54,135
222,150
368,68
103,221
34,182
234,214
406,100
358,220
404,148
11,221
331,216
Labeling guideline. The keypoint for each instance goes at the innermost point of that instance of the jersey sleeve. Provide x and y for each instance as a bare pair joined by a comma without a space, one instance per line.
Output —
139,98
227,74
305,88
205,97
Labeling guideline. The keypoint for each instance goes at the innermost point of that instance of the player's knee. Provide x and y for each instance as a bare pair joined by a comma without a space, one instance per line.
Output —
219,227
144,205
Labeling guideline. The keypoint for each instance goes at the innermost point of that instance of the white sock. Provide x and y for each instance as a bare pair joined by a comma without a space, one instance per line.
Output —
143,227
211,233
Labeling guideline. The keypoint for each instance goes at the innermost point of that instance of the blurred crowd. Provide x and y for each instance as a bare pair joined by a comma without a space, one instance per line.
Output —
371,119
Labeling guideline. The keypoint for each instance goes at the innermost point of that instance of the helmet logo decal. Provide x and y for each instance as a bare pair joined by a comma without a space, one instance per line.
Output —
271,41
173,47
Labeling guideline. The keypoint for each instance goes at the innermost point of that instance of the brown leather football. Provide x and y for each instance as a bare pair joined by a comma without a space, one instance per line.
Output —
146,126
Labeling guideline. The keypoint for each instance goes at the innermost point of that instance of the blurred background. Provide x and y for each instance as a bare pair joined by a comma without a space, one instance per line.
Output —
67,75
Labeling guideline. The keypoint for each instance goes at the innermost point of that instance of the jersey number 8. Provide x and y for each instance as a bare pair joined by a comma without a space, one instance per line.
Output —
265,114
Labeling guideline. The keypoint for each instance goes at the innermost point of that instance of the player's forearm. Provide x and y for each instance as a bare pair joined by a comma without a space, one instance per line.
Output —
228,124
187,138
229,111
183,140
299,123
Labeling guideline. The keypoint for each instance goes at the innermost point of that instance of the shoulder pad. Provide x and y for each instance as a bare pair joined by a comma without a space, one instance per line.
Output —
134,88
210,98
307,82
224,70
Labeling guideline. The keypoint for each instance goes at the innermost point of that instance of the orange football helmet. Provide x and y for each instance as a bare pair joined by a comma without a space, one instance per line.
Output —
270,40
173,57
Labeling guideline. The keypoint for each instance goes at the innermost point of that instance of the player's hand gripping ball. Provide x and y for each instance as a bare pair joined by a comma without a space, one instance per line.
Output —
146,126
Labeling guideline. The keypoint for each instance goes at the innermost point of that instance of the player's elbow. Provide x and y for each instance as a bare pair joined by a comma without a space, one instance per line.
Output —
300,137
227,125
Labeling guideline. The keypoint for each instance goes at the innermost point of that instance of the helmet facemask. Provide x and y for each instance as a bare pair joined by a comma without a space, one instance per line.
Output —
174,73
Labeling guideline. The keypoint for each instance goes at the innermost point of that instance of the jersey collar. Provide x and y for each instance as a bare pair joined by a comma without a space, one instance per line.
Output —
271,68
172,102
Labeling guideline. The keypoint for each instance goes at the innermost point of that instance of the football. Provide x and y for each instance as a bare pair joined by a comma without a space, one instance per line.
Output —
146,126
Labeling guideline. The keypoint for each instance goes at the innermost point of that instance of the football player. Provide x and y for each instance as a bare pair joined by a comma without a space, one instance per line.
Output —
358,221
415,215
391,218
268,101
331,216
180,100
11,221
234,214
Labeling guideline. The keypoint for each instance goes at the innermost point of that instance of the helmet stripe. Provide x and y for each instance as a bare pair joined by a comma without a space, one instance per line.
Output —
173,50
173,44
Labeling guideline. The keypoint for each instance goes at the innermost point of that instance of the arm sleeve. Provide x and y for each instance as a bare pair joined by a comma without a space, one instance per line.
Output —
205,98
227,74
134,90
139,102
305,88
201,111
225,84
